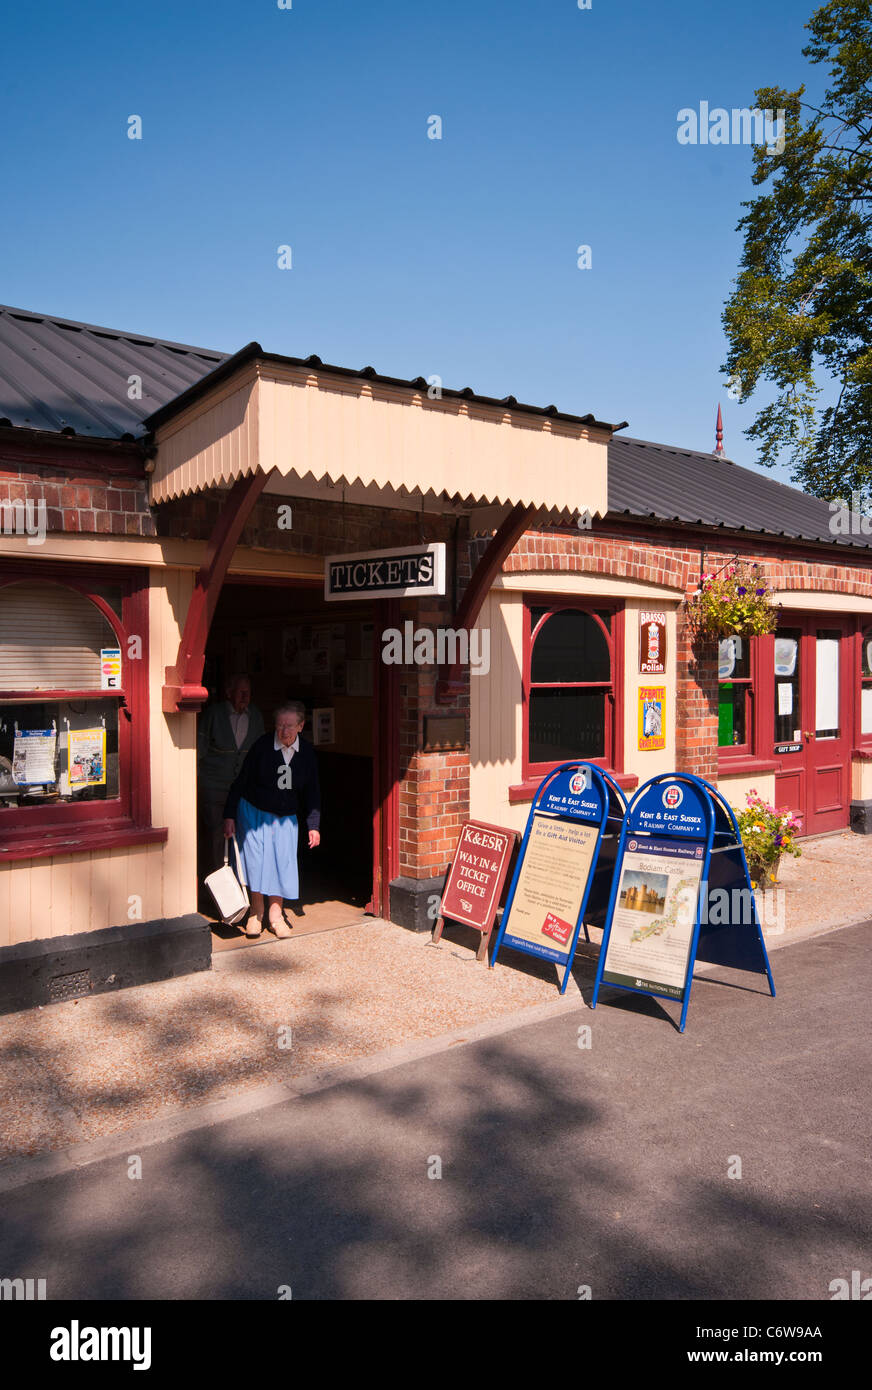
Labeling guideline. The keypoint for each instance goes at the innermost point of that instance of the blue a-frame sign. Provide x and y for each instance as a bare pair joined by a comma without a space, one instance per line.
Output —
563,869
681,892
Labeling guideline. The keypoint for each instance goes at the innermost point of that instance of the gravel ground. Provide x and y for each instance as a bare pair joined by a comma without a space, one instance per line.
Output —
83,1069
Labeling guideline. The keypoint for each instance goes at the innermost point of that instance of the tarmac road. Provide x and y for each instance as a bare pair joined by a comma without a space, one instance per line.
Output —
562,1166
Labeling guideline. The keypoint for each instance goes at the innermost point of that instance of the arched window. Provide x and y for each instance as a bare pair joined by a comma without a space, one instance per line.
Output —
73,707
569,686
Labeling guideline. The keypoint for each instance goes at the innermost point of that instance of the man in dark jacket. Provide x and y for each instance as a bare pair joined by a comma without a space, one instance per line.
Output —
227,730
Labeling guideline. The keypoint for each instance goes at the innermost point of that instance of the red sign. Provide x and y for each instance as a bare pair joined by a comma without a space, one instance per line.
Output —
475,880
652,644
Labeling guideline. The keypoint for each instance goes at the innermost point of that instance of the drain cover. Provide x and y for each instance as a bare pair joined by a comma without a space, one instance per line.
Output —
70,986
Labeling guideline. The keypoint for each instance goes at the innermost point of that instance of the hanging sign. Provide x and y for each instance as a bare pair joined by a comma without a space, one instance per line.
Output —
680,893
110,668
405,572
652,644
556,867
474,886
652,734
86,758
33,757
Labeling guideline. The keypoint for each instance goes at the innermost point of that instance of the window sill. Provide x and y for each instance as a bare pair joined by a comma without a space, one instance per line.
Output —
863,754
738,767
525,791
50,845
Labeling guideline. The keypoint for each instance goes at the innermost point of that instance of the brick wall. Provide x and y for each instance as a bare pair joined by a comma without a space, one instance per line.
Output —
80,500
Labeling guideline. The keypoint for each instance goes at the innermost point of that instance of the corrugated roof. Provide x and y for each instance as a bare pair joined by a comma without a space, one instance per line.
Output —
56,374
661,483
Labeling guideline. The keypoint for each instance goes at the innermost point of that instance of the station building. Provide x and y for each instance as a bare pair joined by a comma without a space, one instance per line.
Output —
463,591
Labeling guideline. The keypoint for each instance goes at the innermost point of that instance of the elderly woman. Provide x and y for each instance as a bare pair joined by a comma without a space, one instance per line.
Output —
278,779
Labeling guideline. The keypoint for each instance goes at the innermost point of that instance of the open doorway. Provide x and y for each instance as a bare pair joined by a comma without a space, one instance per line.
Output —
294,646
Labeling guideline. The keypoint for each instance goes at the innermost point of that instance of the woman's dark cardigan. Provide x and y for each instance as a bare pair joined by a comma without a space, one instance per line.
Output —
261,780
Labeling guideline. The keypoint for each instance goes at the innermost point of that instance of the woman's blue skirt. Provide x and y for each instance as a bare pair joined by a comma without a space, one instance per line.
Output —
268,848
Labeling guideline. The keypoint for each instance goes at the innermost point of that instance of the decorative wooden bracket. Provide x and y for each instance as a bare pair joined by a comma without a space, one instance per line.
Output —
450,682
184,688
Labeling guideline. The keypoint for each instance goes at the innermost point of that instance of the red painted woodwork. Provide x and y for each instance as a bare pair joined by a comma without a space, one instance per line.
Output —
450,682
815,782
129,812
613,754
184,689
385,768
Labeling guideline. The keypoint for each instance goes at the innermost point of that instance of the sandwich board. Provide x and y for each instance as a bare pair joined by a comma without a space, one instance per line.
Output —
681,892
562,858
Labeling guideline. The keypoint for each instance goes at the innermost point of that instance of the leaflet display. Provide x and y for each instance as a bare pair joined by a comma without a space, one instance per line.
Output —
557,865
680,892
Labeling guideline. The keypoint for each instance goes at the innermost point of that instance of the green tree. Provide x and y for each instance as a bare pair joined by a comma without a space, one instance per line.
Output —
800,315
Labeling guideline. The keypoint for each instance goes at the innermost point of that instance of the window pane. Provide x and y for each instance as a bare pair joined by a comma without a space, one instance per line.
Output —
50,639
49,761
570,647
731,715
826,700
567,724
866,708
866,653
734,658
788,706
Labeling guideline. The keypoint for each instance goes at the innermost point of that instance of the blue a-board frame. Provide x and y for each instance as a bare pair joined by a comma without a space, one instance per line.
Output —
612,807
719,823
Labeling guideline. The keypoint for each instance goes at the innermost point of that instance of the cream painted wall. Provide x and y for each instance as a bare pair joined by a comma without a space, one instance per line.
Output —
74,893
734,789
496,711
861,780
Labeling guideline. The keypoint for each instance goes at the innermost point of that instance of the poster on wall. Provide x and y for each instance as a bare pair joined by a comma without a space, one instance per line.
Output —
652,733
33,757
323,726
86,758
652,644
359,677
654,916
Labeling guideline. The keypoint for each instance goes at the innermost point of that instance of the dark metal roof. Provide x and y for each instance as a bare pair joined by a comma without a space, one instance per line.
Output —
657,482
59,375
254,351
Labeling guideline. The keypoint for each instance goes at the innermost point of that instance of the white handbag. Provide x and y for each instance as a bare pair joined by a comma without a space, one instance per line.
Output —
228,890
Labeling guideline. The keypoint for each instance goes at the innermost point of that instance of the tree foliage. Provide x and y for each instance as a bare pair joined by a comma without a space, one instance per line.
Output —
800,315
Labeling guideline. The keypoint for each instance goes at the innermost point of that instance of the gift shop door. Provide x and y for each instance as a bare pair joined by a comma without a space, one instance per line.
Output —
813,720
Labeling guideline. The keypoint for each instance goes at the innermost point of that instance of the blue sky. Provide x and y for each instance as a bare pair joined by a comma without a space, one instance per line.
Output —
308,127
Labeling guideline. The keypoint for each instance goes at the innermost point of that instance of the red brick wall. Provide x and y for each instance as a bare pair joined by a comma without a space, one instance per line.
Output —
677,564
80,500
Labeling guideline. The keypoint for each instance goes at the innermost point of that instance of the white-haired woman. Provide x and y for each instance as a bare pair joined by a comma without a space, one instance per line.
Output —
277,783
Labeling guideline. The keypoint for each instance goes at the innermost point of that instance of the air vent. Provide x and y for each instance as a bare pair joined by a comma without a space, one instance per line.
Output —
70,986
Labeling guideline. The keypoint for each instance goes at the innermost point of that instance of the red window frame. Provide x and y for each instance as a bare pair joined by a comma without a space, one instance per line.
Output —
613,754
38,831
750,683
862,742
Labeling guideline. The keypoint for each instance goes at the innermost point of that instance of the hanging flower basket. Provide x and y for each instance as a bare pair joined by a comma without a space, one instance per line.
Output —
737,601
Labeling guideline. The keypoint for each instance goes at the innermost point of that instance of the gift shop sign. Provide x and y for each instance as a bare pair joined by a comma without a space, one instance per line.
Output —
652,644
407,572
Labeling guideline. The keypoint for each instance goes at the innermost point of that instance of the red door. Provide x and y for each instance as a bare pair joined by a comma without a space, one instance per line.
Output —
812,693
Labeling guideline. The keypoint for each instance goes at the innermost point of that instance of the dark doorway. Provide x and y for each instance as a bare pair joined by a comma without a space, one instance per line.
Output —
295,646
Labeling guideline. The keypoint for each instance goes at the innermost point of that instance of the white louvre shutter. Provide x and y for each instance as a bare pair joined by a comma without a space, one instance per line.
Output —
50,639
